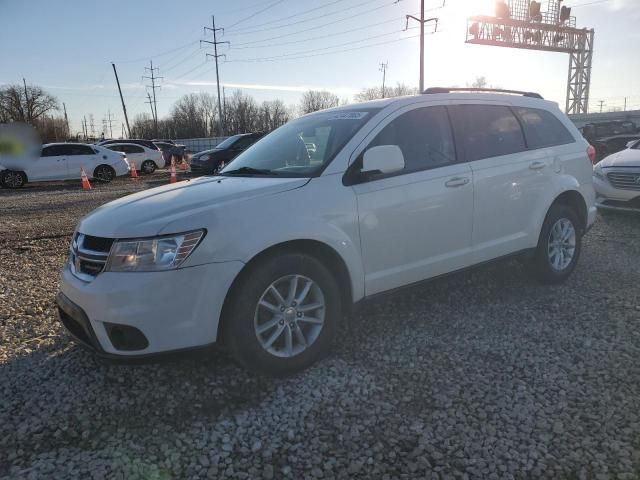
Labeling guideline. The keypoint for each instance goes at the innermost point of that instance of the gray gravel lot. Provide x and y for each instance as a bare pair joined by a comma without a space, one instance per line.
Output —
483,374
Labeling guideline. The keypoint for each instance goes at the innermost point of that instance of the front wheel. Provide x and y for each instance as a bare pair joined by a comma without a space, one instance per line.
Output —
283,314
559,245
148,167
104,173
12,179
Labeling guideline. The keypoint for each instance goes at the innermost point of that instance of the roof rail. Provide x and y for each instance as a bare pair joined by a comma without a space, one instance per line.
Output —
488,90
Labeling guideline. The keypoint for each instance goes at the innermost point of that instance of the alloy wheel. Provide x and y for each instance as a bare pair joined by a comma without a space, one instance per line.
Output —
289,315
13,179
104,174
561,246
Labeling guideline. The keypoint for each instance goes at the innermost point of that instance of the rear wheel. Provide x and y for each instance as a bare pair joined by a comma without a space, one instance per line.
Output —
149,166
104,173
12,179
559,245
283,314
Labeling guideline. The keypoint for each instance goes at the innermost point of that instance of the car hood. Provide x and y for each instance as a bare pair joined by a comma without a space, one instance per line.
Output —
624,158
178,207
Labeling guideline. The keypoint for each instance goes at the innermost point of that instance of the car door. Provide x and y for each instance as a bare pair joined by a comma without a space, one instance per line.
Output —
509,180
52,164
80,156
416,223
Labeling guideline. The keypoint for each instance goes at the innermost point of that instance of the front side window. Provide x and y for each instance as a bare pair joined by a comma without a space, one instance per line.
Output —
284,153
423,135
542,129
487,131
80,150
243,143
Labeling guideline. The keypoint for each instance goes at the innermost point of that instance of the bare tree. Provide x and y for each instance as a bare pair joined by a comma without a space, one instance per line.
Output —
207,104
314,100
480,82
15,107
241,114
374,93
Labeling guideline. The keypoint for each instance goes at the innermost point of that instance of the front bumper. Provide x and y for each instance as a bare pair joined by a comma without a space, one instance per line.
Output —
168,311
610,198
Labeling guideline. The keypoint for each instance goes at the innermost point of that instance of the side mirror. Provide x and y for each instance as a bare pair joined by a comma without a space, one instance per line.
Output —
383,159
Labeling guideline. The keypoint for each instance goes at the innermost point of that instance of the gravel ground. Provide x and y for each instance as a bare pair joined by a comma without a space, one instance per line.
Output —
484,374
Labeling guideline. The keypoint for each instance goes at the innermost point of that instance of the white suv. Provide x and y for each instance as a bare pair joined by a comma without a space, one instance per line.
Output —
268,254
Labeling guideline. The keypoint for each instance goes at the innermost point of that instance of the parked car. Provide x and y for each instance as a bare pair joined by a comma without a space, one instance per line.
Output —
160,140
142,158
616,180
144,143
610,145
62,161
267,255
170,150
210,161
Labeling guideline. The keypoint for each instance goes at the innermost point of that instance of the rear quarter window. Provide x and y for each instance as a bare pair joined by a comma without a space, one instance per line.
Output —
487,131
542,128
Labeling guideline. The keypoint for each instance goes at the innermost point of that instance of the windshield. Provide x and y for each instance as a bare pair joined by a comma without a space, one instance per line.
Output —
303,147
227,142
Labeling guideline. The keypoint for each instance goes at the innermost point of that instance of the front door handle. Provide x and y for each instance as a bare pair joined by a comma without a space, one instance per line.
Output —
537,165
457,182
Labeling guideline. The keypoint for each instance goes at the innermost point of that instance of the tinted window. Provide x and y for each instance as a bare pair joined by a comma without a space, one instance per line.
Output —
115,148
80,150
487,131
52,151
423,135
542,128
243,143
133,149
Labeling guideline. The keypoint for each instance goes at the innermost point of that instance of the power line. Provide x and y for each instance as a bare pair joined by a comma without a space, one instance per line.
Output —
278,20
589,3
257,13
161,54
368,2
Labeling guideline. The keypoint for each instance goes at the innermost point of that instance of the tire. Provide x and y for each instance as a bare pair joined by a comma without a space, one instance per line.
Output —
562,226
250,326
104,173
148,167
12,179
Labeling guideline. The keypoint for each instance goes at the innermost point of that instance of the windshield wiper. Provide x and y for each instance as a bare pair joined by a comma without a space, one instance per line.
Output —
249,171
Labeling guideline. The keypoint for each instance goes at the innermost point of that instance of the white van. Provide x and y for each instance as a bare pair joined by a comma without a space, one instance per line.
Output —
267,255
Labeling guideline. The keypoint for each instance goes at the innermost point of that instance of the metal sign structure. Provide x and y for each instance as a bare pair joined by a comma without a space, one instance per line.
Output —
523,24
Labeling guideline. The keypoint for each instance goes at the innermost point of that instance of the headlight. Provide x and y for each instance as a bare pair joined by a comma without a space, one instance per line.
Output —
597,172
152,254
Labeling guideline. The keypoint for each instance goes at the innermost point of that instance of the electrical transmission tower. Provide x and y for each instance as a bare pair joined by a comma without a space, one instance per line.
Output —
153,77
93,126
108,121
422,21
383,69
215,55
523,24
150,102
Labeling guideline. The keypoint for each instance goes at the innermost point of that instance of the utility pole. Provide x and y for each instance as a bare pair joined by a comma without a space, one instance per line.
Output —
122,135
153,78
66,119
224,103
601,102
422,22
84,129
215,56
124,108
93,126
625,104
26,102
150,102
383,69
110,122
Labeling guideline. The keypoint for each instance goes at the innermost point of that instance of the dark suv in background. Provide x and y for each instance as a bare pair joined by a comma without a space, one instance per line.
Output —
210,161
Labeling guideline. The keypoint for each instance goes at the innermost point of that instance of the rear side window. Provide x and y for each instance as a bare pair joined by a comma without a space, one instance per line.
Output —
244,143
423,135
134,149
542,129
80,150
487,131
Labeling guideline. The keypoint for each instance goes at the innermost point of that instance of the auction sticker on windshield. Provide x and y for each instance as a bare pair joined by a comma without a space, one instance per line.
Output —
348,116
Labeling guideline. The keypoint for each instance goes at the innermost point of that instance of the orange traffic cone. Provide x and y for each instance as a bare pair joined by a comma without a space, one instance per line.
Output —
184,165
173,170
85,181
133,173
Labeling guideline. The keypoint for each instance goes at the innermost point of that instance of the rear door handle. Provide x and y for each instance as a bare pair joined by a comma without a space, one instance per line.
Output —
537,165
457,182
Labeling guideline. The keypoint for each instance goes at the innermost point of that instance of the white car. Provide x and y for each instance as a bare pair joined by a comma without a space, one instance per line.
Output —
268,254
144,158
616,179
62,161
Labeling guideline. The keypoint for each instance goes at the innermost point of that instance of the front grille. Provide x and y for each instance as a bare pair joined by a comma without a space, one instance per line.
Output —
625,180
89,255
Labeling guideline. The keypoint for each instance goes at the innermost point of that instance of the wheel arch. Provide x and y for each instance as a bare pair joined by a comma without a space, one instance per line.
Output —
575,200
323,252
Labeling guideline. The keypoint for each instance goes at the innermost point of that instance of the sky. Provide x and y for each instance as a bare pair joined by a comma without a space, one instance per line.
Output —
280,48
